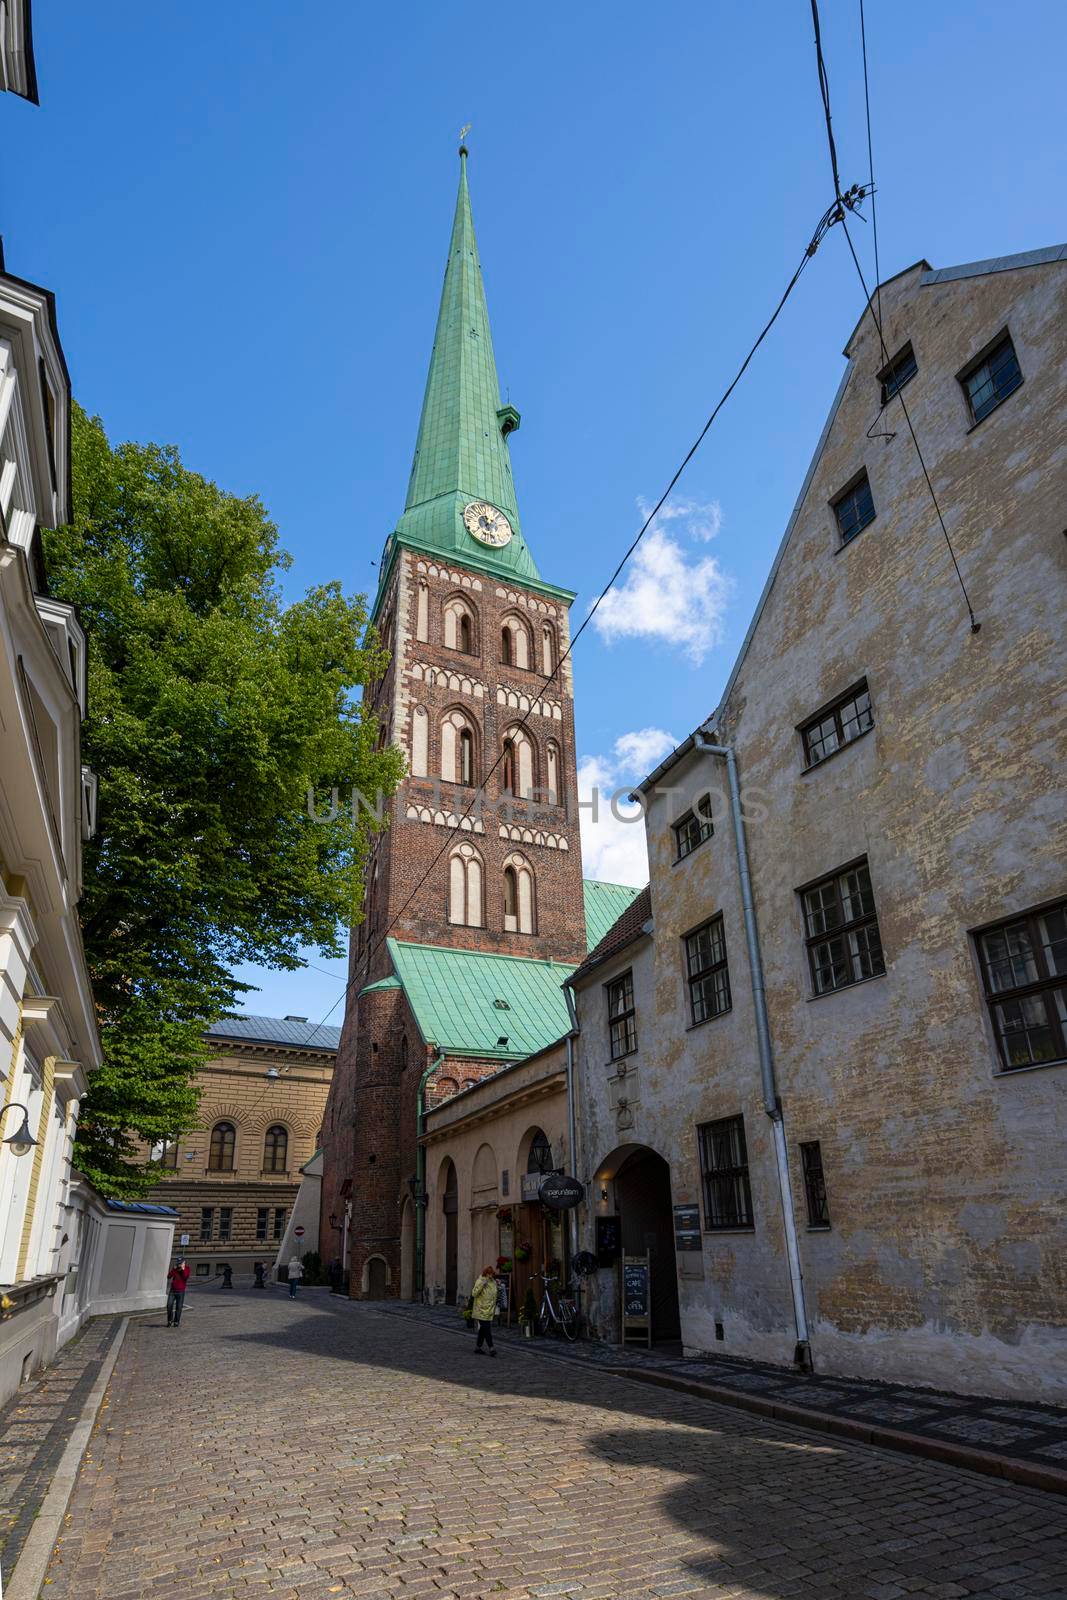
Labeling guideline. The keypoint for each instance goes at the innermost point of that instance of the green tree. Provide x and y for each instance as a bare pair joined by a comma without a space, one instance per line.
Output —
213,710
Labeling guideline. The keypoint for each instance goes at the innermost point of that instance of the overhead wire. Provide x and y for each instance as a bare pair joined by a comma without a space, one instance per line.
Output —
831,215
845,205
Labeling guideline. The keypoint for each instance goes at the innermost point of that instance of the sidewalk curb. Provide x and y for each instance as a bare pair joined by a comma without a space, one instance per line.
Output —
25,1581
1007,1468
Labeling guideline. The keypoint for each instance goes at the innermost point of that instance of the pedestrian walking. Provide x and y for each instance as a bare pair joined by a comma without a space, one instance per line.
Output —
296,1272
177,1283
259,1270
483,1309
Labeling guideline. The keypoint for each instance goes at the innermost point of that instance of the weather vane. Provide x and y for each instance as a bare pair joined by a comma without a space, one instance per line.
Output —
463,132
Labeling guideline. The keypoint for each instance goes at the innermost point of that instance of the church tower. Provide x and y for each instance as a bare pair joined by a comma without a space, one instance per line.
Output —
474,908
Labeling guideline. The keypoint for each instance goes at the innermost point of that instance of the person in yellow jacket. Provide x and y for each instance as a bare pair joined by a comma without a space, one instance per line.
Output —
483,1308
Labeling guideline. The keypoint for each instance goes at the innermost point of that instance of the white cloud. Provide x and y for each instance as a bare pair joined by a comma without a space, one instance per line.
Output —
664,595
637,753
613,830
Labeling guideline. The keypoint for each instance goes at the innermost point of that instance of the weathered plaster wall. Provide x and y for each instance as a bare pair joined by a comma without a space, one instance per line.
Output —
945,1258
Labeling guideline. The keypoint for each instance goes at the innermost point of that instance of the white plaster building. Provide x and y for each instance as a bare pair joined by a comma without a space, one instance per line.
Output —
48,1034
18,73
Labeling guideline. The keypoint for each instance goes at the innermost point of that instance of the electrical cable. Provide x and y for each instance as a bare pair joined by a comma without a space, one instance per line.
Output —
845,204
826,221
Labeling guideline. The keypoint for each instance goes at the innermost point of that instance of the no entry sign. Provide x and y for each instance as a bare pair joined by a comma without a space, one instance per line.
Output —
299,1232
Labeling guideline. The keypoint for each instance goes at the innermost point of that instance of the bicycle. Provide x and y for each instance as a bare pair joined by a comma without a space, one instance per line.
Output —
558,1310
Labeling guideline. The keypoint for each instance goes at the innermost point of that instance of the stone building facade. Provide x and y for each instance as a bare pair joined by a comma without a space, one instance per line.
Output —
487,1150
474,905
890,1202
235,1179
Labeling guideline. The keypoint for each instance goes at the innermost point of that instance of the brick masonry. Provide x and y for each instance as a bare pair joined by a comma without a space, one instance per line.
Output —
370,1126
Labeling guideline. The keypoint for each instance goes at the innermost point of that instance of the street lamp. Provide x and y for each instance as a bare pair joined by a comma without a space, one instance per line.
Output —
22,1140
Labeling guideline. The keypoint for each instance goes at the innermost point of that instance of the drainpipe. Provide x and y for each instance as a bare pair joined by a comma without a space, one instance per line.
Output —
771,1103
421,1197
572,1137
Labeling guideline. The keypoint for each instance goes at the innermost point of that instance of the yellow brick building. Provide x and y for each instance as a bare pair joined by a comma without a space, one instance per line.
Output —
234,1180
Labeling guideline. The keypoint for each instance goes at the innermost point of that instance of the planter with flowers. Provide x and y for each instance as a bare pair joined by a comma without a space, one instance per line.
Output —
523,1250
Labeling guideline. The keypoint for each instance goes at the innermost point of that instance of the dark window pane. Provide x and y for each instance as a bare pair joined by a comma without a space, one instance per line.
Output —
844,945
207,1217
855,509
724,1168
815,1185
261,1222
993,379
896,374
694,828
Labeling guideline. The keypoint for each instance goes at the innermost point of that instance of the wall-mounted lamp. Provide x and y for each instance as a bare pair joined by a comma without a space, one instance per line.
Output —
22,1140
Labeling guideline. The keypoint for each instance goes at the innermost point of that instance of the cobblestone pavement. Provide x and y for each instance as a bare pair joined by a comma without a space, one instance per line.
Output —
35,1426
319,1448
1030,1432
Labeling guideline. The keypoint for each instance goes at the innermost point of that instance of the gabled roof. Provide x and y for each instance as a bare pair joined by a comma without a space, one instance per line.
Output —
931,277
626,928
454,995
300,1033
604,904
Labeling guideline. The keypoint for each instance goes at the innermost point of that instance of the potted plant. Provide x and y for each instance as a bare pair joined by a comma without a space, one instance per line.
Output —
523,1250
504,1215
503,1264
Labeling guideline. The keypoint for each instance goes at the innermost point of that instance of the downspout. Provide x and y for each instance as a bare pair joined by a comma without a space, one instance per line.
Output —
771,1103
572,1137
422,1199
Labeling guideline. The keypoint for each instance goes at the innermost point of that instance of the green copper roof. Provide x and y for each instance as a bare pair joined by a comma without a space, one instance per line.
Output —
453,994
604,905
461,453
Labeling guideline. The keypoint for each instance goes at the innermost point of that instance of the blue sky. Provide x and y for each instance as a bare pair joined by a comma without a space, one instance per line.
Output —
244,211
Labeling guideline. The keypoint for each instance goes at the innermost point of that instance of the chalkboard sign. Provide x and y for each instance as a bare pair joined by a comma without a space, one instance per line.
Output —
636,1299
635,1288
608,1241
687,1227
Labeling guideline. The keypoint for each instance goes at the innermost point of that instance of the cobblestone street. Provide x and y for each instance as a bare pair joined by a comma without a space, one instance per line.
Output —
320,1448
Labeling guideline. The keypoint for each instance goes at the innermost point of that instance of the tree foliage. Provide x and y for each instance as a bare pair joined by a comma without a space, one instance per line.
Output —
213,709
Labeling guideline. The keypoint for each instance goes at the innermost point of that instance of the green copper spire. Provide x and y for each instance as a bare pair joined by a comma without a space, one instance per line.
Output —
461,454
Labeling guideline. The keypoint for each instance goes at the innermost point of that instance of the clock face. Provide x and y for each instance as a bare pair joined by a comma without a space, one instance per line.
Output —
486,524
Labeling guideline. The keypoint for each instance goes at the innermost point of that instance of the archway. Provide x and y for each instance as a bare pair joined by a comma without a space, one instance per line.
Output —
407,1250
450,1206
376,1274
642,1194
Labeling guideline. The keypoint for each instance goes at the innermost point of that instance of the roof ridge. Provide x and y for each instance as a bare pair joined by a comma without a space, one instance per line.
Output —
485,955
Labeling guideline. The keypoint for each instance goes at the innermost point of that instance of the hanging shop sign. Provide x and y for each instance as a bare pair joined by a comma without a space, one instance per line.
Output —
560,1193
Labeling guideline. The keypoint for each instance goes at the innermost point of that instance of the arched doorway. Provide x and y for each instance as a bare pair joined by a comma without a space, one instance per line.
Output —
407,1250
377,1278
642,1181
450,1206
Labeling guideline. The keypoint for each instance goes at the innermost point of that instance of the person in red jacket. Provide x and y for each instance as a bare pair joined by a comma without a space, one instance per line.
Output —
177,1283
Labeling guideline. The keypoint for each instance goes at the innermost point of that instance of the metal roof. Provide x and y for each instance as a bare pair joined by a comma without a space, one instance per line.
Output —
604,905
144,1207
454,995
276,1030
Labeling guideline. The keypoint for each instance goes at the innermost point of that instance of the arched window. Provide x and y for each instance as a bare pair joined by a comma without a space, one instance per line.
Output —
548,649
420,742
276,1149
220,1154
519,910
517,767
514,642
457,748
552,774
465,879
422,613
540,1156
459,626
